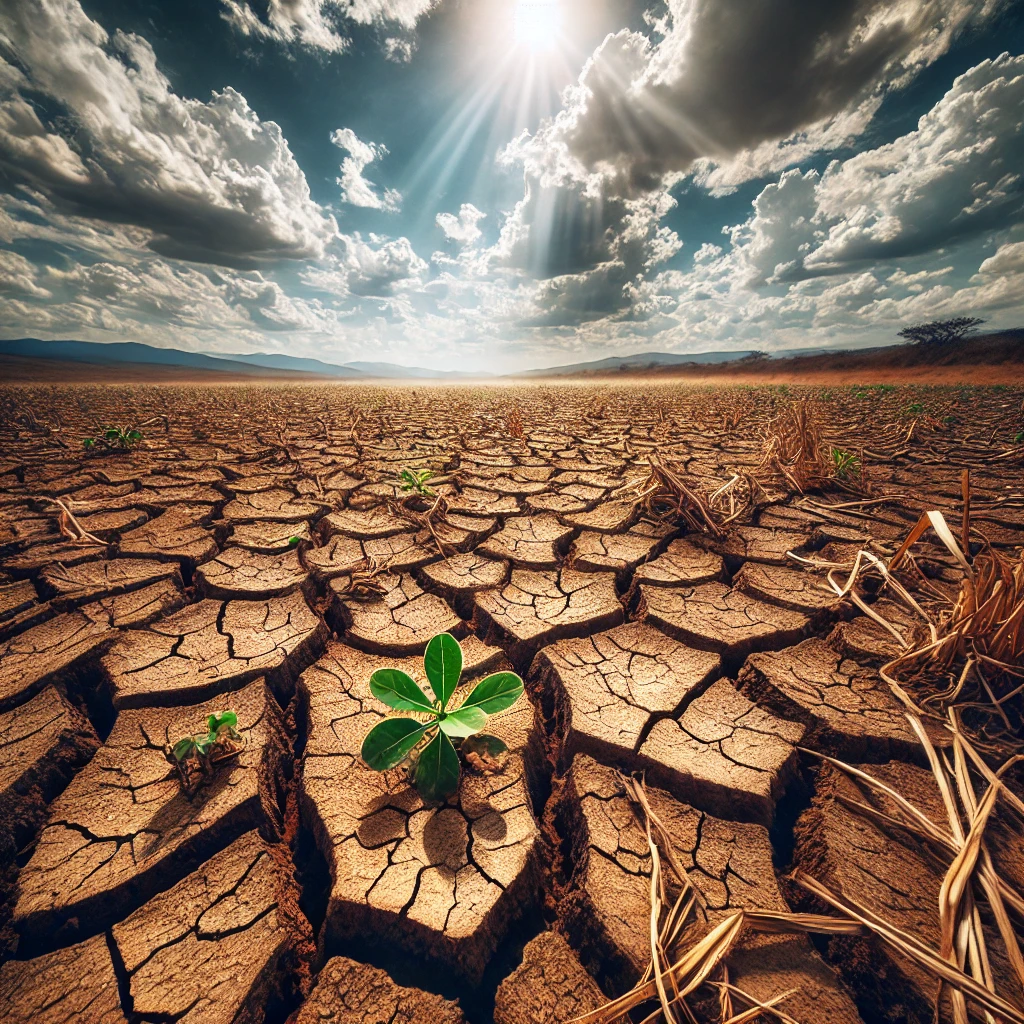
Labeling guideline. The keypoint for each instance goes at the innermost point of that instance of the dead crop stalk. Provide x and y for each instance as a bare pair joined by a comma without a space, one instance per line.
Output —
970,652
960,965
664,494
794,449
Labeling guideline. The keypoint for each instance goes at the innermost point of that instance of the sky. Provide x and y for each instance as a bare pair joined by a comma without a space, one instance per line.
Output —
495,185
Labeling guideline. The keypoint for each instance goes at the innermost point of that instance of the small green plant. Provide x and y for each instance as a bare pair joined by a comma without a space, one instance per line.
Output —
914,409
1019,438
416,480
293,542
426,741
846,464
195,756
113,439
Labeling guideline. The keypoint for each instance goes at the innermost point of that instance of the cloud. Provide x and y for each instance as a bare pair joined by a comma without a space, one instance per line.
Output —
18,276
729,77
355,189
376,268
316,23
209,181
462,228
1008,259
957,175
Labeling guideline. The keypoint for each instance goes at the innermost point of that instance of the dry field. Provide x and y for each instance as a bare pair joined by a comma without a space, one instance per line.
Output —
655,561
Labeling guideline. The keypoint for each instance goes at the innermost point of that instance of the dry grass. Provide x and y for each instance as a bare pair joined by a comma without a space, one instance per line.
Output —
961,966
968,650
664,495
795,451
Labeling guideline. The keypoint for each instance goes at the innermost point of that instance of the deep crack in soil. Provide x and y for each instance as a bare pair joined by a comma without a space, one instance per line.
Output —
250,555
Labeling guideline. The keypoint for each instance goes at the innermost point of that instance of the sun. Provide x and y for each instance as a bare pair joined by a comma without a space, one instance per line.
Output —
537,23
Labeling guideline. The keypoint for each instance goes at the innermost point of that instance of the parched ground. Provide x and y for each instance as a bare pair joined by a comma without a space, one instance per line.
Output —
255,553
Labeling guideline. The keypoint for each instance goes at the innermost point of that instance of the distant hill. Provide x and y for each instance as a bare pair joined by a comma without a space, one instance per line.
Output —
637,363
410,372
251,365
118,352
132,358
273,361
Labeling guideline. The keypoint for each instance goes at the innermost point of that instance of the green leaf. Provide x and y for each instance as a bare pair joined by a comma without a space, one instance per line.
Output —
183,748
495,693
399,691
442,662
225,718
204,743
389,742
437,771
464,722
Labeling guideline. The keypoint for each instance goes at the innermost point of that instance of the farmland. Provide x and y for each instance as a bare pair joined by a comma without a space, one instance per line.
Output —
653,559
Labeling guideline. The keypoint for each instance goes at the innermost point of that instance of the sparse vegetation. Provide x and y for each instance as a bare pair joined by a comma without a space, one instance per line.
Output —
195,757
942,332
113,439
427,740
415,481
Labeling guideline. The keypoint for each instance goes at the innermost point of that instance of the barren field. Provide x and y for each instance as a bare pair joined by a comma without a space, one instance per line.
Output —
641,554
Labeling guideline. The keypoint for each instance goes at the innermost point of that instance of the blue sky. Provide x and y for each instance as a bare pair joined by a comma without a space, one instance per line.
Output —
498,184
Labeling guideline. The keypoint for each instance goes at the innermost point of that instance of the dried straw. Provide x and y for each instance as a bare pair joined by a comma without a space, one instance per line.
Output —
961,964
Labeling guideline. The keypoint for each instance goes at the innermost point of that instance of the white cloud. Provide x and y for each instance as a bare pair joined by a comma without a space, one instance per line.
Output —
738,90
1008,259
355,189
375,267
316,23
959,173
18,276
208,181
462,228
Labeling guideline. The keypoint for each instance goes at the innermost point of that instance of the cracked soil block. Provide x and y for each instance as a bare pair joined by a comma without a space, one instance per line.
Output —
218,947
52,652
600,694
536,608
444,882
605,909
848,709
123,829
714,617
550,986
72,985
528,542
398,622
44,742
213,647
250,575
348,992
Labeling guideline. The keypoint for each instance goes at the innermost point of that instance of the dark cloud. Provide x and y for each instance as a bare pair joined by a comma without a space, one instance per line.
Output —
730,75
210,180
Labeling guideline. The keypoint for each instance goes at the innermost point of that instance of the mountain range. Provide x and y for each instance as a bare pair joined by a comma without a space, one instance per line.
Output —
258,364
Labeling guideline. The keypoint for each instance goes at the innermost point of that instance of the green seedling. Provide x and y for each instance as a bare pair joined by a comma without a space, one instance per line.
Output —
427,740
194,756
114,439
914,409
416,480
294,541
1019,438
845,463
218,728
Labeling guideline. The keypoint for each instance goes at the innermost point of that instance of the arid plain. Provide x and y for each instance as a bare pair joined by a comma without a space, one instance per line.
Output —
665,566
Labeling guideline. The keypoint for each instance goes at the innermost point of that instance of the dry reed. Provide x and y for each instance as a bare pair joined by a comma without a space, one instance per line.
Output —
962,963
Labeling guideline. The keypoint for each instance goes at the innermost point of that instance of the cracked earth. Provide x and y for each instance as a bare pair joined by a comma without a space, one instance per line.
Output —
256,553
